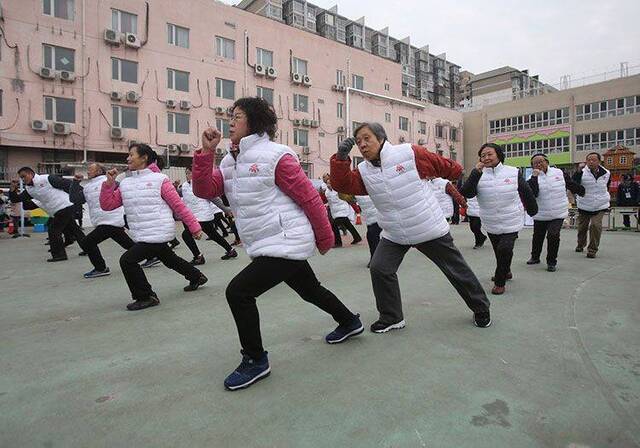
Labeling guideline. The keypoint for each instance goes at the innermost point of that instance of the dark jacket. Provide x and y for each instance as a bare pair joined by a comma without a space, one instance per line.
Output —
628,195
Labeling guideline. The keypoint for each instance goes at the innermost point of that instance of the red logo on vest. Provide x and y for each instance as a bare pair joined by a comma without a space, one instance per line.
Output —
149,184
254,169
507,181
400,168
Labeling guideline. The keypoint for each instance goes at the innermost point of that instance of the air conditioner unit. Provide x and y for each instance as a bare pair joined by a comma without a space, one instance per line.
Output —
305,150
115,96
46,72
230,111
272,72
116,133
260,70
171,104
173,148
61,128
133,96
185,105
39,125
337,87
111,37
67,76
315,123
219,110
306,122
296,78
297,122
184,147
340,128
132,40
306,80
341,88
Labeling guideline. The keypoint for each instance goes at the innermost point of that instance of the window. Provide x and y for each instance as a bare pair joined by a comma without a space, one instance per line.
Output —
609,161
357,82
223,126
62,9
403,123
177,35
300,103
301,137
125,117
439,131
58,58
264,57
1,92
387,87
225,48
178,123
340,110
123,70
60,109
339,77
387,117
177,80
300,66
225,89
623,160
453,134
124,22
422,127
266,94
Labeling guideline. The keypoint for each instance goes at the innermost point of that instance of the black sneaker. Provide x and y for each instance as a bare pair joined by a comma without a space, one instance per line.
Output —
533,261
579,249
551,268
482,320
356,241
195,284
381,327
229,255
174,243
82,254
152,300
54,259
150,262
479,245
94,273
345,331
197,261
248,372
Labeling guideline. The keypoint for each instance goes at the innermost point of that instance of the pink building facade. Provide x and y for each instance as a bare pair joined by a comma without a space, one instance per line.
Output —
81,79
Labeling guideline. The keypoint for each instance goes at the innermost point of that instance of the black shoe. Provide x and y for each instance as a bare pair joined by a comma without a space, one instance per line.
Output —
482,320
173,244
591,255
195,284
579,249
69,243
509,277
533,261
152,300
150,262
551,268
236,243
381,327
480,244
356,241
197,260
83,254
54,259
229,255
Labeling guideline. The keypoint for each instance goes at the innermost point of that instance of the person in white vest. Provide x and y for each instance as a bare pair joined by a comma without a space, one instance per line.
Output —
475,223
549,185
501,191
342,214
446,194
149,200
205,212
593,204
370,217
107,224
281,220
52,193
393,176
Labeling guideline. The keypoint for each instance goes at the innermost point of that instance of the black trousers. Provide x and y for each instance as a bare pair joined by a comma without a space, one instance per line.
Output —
219,223
343,221
373,237
552,230
503,250
455,219
262,274
103,232
134,275
475,224
208,227
63,223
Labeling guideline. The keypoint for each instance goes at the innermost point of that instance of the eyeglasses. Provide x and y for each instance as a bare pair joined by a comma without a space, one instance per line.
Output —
238,117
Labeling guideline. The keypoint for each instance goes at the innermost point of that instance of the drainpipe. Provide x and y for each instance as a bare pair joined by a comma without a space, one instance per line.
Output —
84,86
246,61
348,111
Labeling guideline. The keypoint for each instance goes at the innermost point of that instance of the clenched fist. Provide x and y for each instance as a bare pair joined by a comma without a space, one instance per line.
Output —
535,172
344,148
211,139
111,175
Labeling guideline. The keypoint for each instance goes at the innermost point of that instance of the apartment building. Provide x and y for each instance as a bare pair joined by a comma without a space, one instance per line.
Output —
80,80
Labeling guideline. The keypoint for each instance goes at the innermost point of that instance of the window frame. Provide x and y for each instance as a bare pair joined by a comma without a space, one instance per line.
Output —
172,35
118,14
119,121
222,45
54,50
296,136
171,79
220,83
119,69
52,9
296,102
172,122
54,108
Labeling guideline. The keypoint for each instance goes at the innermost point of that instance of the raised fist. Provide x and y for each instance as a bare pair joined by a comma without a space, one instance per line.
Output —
344,148
211,139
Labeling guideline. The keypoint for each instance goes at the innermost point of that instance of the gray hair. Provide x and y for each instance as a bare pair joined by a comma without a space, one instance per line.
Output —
101,167
374,127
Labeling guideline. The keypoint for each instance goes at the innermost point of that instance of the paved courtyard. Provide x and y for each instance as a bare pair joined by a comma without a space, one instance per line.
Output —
560,367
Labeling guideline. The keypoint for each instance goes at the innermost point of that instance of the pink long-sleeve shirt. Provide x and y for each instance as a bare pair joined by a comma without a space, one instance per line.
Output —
111,198
208,183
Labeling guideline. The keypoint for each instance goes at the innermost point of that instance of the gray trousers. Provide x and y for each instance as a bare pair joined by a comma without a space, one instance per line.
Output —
442,251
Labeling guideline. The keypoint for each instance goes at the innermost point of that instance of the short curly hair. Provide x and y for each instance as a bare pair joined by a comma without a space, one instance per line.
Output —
261,117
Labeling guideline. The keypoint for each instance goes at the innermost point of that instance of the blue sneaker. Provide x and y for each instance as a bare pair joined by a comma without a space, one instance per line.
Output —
248,372
95,273
345,331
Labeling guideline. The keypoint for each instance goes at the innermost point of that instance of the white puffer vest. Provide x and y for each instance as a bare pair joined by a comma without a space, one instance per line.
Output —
149,217
596,195
269,222
91,189
473,208
202,209
367,210
50,199
439,185
552,196
339,208
501,210
408,211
